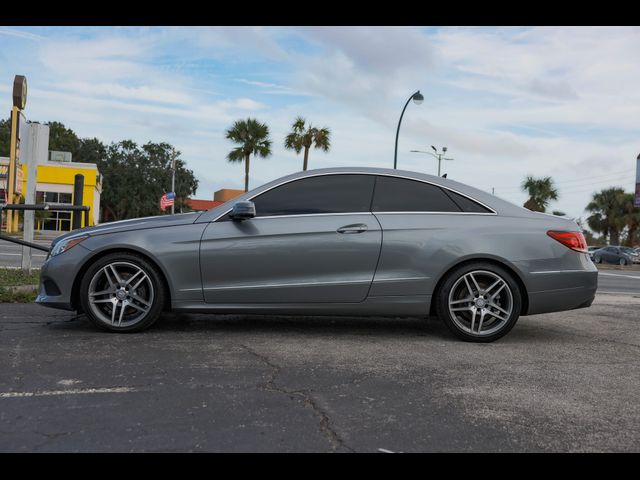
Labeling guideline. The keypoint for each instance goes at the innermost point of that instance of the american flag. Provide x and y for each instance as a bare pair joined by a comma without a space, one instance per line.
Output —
167,200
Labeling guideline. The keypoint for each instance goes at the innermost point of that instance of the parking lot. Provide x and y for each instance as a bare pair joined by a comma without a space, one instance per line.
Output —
562,382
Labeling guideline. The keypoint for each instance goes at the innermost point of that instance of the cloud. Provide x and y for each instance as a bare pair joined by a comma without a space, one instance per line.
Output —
21,34
506,101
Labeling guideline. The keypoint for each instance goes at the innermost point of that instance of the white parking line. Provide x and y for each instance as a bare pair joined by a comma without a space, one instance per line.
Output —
19,254
46,393
618,275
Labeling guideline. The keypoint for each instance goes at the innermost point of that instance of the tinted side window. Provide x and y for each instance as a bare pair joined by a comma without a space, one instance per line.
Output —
321,194
466,204
401,195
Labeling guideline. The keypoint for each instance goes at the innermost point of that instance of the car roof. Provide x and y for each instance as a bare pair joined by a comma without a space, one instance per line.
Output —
500,206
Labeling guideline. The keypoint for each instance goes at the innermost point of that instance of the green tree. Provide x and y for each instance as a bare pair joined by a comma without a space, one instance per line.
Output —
5,137
631,219
541,191
607,209
134,179
253,138
303,137
90,150
63,139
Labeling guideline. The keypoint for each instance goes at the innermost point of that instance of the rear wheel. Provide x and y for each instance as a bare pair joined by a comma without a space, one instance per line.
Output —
122,292
479,302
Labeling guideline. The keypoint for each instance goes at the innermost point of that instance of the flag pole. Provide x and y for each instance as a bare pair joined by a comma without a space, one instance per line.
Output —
173,179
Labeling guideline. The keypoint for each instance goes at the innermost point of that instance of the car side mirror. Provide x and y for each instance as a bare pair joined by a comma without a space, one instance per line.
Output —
243,211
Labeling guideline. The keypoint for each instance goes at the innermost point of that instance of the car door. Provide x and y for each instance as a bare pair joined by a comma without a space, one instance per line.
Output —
313,240
422,229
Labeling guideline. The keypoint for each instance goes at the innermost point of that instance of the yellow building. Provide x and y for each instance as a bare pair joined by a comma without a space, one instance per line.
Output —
55,185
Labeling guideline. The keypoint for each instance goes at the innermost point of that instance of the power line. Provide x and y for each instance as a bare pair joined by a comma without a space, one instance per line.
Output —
604,179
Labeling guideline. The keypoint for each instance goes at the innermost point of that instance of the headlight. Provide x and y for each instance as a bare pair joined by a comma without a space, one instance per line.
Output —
64,245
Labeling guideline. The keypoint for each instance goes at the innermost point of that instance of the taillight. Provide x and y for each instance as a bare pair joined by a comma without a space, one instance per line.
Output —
573,240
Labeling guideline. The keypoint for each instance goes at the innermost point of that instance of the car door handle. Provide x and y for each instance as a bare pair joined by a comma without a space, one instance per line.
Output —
355,228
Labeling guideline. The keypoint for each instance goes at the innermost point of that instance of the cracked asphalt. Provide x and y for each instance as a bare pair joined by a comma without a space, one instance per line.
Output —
232,383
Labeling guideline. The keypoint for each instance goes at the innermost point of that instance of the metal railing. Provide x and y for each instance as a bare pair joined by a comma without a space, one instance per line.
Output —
45,207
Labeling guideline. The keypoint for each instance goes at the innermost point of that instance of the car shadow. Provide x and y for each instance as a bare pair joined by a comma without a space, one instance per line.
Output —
311,325
320,326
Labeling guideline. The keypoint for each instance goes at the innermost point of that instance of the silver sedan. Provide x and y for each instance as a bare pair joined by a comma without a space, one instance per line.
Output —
343,241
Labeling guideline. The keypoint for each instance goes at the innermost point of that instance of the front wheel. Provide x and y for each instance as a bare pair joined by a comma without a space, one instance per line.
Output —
479,302
597,259
122,292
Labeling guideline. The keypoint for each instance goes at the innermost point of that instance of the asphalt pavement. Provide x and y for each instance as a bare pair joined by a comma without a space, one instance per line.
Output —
566,381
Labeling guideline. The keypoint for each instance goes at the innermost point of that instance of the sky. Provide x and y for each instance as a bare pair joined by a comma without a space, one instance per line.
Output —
506,101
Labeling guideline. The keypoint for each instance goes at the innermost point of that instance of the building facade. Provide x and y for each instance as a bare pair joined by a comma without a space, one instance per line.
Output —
55,180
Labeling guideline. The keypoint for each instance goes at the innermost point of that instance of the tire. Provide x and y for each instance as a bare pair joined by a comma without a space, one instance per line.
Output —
622,261
129,299
597,259
493,316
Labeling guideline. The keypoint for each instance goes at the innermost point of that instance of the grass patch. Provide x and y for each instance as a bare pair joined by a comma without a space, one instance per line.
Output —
10,277
14,276
7,296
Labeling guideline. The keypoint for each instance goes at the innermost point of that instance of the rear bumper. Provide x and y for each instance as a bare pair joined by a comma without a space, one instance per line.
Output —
564,291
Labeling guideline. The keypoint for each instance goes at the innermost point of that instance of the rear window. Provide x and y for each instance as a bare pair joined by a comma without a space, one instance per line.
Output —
393,194
466,204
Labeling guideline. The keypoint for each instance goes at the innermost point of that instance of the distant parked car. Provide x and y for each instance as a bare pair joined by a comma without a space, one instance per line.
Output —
614,254
633,253
592,249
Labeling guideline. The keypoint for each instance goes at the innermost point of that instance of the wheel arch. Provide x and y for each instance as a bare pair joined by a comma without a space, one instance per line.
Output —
496,261
97,255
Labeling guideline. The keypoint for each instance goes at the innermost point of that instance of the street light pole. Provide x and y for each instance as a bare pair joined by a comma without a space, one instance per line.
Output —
417,99
437,155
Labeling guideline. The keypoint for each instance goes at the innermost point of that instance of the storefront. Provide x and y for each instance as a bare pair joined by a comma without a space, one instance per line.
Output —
55,186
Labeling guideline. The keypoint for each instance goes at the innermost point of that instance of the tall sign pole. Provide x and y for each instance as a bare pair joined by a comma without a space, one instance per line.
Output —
19,102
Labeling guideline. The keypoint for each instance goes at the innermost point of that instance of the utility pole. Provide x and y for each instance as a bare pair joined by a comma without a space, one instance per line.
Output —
173,179
438,156
493,190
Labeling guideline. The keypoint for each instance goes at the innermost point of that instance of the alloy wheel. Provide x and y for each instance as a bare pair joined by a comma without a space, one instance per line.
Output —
480,303
121,294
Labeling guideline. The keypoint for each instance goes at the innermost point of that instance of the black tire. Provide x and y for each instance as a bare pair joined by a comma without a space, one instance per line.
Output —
157,289
623,262
513,295
597,259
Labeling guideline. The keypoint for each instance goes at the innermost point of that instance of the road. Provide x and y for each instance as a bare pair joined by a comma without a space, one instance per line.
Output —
558,382
11,254
623,281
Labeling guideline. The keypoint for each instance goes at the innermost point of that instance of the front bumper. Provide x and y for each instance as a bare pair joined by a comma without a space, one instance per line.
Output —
57,277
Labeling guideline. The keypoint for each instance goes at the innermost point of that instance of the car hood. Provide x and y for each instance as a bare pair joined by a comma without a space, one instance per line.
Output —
133,224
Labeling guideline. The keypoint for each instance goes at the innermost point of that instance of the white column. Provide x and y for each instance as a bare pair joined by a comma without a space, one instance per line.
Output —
37,149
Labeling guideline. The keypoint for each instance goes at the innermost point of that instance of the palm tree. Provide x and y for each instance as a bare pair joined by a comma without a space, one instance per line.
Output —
607,213
541,191
253,138
302,136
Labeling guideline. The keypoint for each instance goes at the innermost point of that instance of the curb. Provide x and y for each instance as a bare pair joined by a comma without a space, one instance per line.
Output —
628,268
